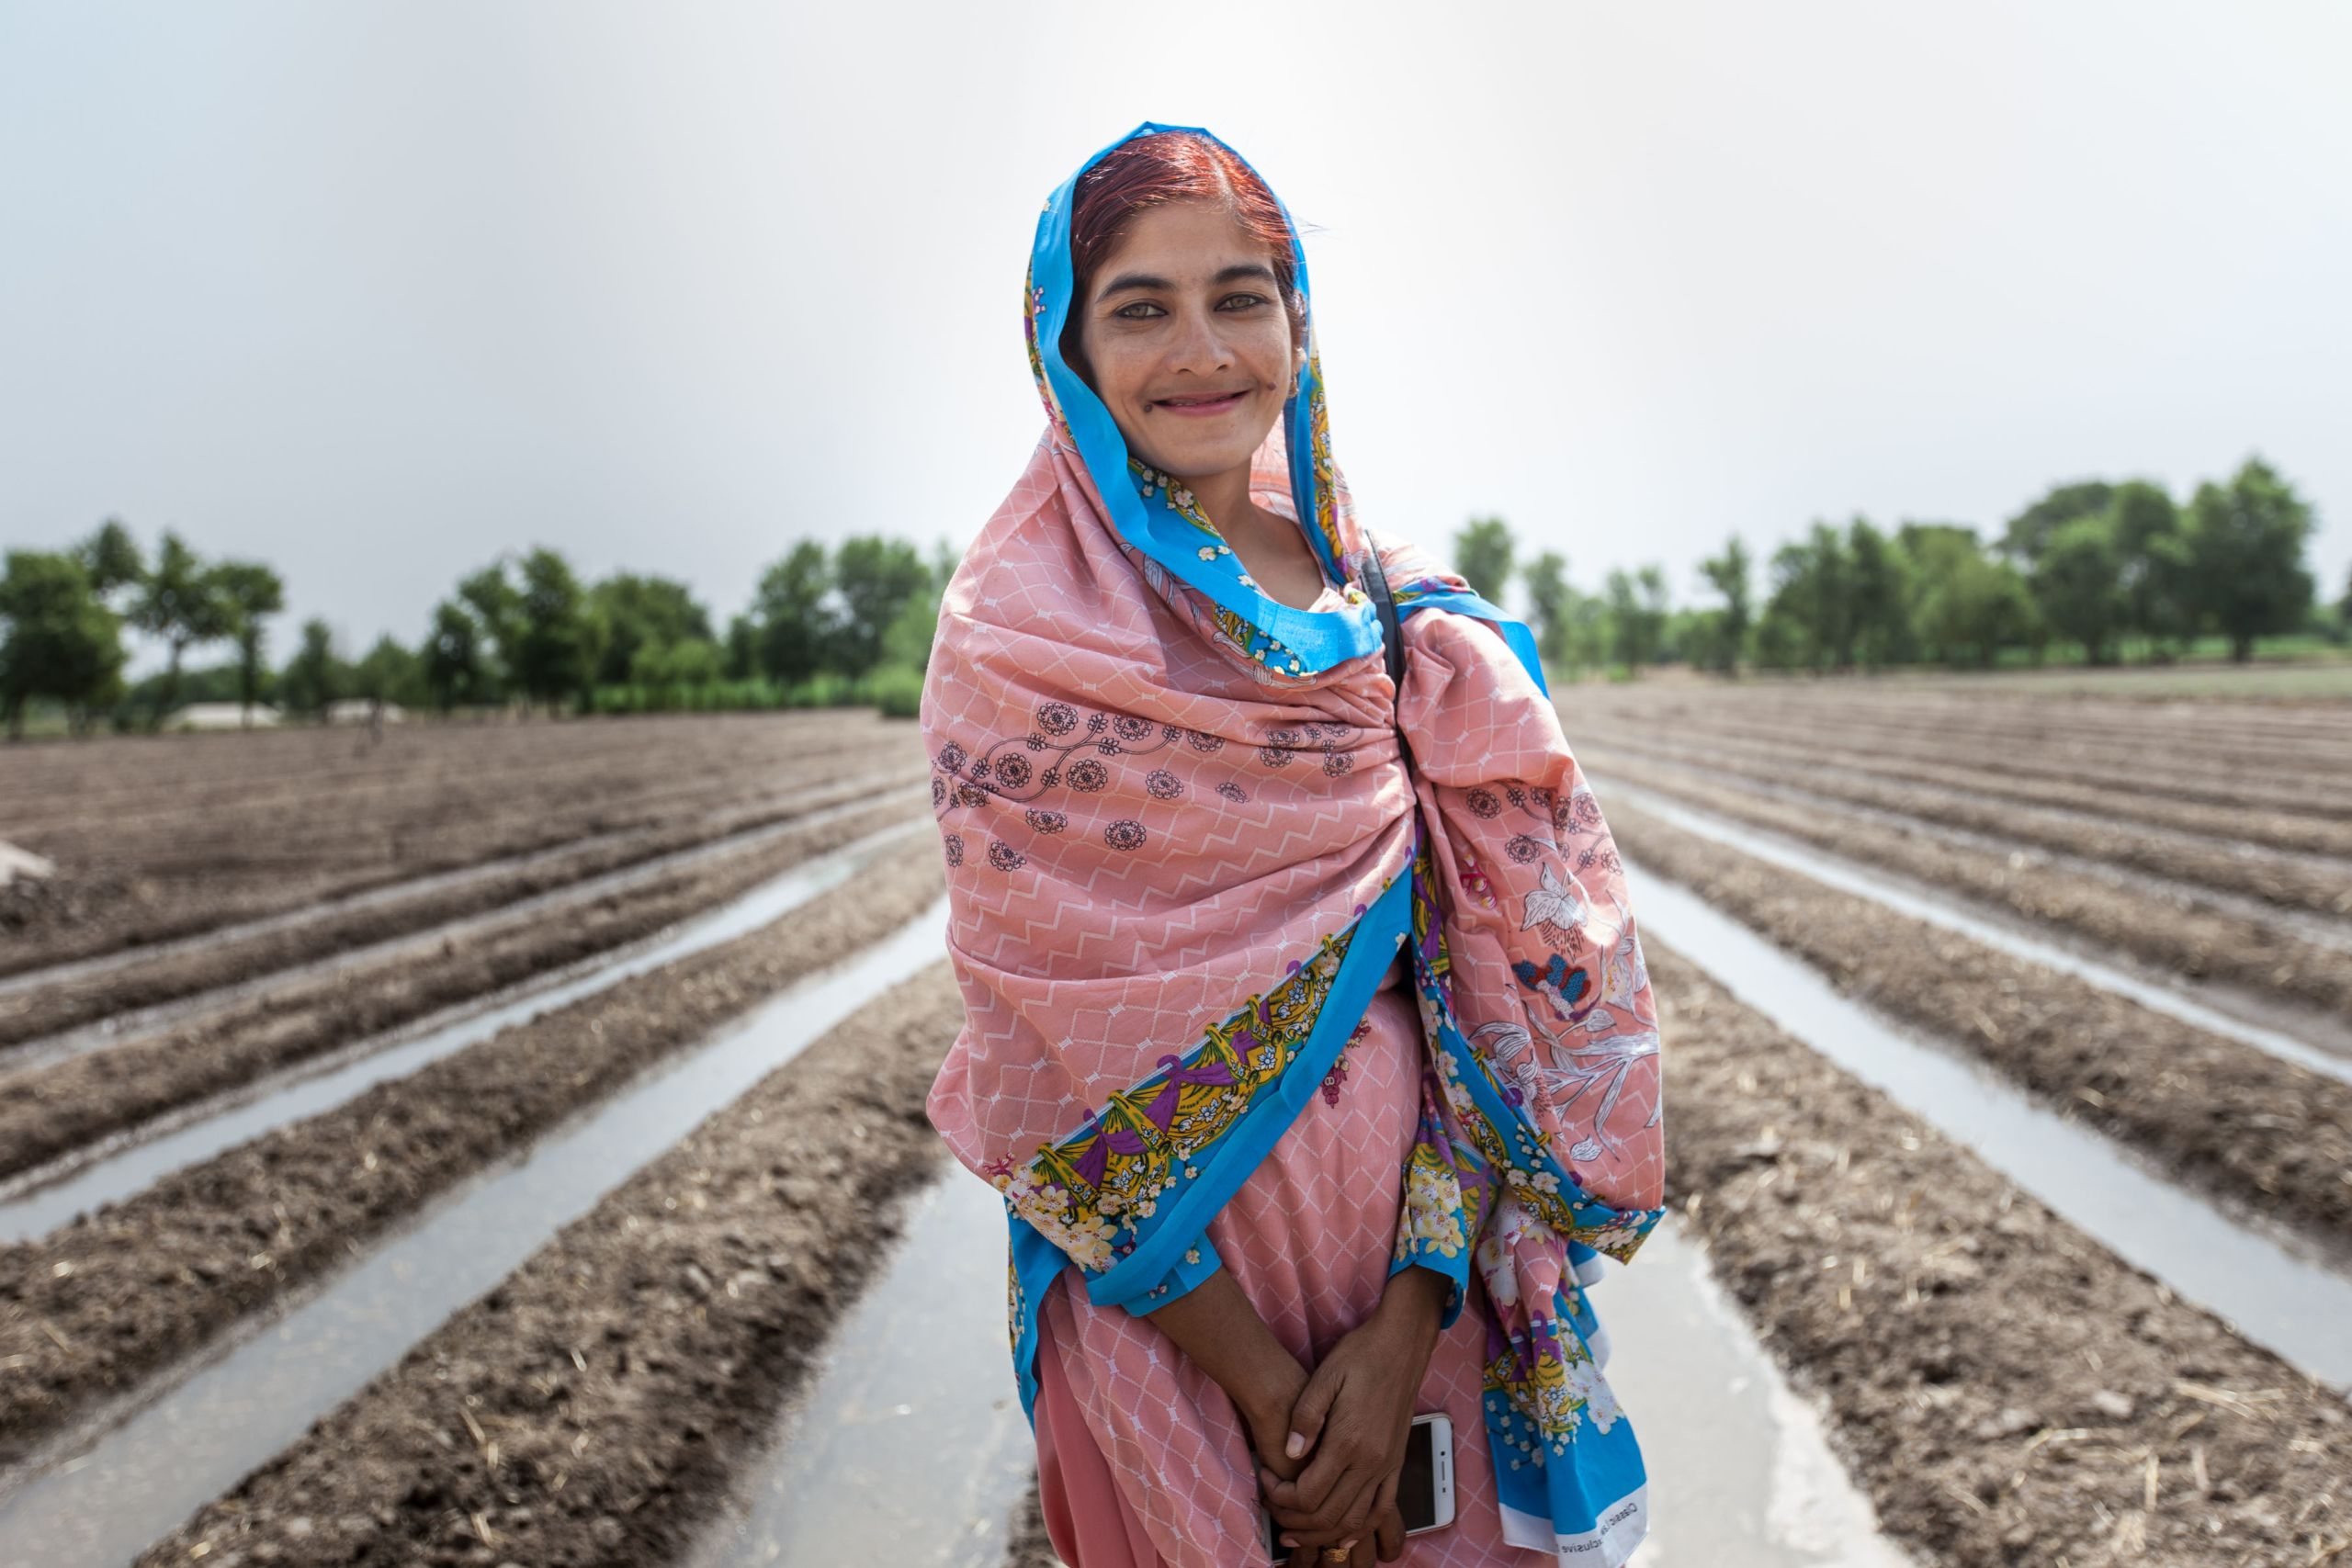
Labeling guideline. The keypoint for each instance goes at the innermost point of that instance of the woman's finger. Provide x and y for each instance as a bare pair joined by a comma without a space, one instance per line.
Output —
1313,1405
1388,1525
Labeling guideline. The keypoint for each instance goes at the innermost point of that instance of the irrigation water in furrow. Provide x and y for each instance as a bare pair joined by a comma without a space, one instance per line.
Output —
911,1448
840,796
100,1498
2294,1305
46,1198
2322,1045
2328,931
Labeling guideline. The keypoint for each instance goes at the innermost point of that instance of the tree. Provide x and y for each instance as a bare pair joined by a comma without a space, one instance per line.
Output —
1967,606
387,672
315,676
250,592
875,577
111,557
489,596
1877,598
1637,611
2077,582
555,652
57,638
1811,610
795,620
2151,563
637,613
1547,604
2029,532
742,656
454,661
2246,549
1481,555
1727,574
180,603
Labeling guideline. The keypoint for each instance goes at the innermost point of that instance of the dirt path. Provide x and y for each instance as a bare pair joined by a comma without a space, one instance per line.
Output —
2005,1389
48,1111
2261,1133
94,1307
2198,943
589,1409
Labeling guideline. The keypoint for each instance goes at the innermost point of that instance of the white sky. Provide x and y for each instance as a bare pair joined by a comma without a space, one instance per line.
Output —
373,291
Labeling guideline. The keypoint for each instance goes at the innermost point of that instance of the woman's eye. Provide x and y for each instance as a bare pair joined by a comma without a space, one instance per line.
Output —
1141,311
1242,302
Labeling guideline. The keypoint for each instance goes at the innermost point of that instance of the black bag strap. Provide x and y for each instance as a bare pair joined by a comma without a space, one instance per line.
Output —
1392,634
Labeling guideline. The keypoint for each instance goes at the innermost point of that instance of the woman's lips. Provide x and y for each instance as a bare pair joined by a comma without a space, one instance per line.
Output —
1195,407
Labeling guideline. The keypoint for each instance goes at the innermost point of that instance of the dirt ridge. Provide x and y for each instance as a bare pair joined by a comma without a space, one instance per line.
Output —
2007,1389
94,1308
590,1409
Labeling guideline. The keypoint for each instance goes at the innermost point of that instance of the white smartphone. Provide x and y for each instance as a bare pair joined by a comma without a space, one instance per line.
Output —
1424,1490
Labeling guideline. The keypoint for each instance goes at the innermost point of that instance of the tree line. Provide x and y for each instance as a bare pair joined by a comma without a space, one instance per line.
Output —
2098,570
826,626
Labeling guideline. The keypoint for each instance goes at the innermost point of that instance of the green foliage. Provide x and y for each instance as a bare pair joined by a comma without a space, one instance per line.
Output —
2246,544
1967,606
112,559
180,603
457,667
641,612
389,673
315,676
58,639
742,656
796,618
2077,582
2027,534
1548,595
252,594
1722,637
877,578
555,649
1482,554
896,689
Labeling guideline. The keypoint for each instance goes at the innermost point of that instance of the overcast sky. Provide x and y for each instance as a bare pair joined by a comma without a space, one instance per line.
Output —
375,292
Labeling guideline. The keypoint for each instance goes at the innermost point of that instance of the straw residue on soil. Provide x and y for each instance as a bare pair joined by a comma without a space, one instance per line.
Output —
2008,1390
91,1308
2265,1134
588,1410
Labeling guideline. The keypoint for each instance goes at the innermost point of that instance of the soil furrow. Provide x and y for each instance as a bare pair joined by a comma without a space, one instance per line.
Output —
1860,754
2007,1389
509,790
96,1306
2196,863
590,1409
137,982
2198,943
2257,1132
48,1111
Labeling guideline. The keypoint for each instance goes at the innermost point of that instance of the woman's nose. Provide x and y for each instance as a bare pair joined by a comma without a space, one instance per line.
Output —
1199,345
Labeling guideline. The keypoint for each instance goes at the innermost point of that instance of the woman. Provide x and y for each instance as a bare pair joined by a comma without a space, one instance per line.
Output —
1250,1149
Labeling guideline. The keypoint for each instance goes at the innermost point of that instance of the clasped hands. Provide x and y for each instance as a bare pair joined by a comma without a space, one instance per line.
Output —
1331,1453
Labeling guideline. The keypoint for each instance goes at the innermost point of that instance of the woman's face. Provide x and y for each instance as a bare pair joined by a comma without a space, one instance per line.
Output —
1188,341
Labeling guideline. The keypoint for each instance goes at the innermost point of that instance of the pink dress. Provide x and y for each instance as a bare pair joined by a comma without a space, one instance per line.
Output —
1142,1459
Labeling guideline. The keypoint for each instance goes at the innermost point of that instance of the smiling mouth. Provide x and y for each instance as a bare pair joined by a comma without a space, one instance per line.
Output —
1201,403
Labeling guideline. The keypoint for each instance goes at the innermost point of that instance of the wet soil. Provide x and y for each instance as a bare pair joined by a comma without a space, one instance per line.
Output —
2265,1134
50,1109
2196,943
2007,1389
144,979
2189,759
96,1306
158,837
1865,752
1030,1546
589,1409
2203,857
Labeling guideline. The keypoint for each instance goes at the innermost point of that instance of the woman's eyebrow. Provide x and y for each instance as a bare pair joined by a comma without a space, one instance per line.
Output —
1144,280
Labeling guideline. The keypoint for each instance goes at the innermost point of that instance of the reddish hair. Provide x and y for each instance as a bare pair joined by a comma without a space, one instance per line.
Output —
1153,171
